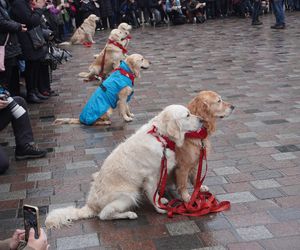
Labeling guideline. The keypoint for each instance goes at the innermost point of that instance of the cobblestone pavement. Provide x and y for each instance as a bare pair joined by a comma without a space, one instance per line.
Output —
256,151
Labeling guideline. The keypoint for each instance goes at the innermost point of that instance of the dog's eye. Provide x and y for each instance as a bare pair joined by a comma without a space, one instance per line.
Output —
219,101
188,115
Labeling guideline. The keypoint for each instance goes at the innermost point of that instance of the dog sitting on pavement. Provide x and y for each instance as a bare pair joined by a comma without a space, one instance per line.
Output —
117,89
109,58
85,33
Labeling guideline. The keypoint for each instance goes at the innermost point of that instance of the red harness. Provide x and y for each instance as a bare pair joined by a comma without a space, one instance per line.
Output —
201,203
124,51
127,74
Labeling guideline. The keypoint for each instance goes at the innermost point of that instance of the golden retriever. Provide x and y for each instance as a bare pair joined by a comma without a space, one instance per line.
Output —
85,33
131,169
135,62
110,56
209,106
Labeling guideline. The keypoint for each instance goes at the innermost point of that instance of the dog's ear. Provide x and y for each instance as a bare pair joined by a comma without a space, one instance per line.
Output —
200,107
134,65
174,130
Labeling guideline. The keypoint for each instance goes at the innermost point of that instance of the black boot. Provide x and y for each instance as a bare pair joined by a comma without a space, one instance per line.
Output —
32,98
28,151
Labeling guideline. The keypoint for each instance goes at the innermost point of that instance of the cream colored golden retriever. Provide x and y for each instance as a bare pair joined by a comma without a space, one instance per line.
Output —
135,62
85,33
131,169
209,106
110,56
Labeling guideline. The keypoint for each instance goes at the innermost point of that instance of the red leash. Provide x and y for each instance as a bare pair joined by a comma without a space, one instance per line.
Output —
201,203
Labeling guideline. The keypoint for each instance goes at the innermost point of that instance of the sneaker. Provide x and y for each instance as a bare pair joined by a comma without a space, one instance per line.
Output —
278,26
257,23
28,152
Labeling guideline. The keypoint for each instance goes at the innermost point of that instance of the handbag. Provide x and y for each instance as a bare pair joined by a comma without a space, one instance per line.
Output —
37,37
2,54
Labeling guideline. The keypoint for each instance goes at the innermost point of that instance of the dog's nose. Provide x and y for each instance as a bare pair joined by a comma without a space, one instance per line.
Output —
232,107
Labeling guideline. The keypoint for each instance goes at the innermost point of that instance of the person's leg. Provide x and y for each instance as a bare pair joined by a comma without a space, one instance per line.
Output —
256,11
277,6
21,126
24,136
4,162
44,78
14,81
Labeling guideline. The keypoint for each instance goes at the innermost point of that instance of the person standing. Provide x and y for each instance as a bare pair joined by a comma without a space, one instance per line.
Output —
36,71
255,13
277,6
8,34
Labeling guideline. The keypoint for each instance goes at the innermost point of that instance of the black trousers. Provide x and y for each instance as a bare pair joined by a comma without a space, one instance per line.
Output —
21,127
10,78
37,76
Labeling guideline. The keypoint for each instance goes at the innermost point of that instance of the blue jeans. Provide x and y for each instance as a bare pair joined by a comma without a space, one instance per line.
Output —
277,6
256,10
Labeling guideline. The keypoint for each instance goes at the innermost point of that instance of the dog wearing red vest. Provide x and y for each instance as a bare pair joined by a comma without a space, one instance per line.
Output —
209,106
109,58
132,169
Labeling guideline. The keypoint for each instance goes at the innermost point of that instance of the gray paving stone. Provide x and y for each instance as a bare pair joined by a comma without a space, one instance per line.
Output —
4,188
254,233
266,174
287,136
254,124
38,163
63,149
215,180
211,248
80,164
178,242
78,242
266,144
185,227
267,193
226,170
238,197
247,135
13,195
284,156
93,151
262,184
39,176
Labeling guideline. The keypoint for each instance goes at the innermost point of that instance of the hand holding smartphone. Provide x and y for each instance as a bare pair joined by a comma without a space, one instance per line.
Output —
31,220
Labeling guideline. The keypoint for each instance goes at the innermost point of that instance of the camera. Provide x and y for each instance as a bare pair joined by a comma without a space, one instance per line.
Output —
16,110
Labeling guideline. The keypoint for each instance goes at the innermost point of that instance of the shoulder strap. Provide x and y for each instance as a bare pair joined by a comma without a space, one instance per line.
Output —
7,37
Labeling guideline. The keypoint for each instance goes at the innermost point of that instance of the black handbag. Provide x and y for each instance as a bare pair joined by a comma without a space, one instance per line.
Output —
37,37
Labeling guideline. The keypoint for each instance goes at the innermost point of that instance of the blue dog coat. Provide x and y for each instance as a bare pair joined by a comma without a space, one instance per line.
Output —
106,96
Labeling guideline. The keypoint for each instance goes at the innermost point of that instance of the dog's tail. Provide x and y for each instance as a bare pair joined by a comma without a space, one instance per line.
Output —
65,43
66,121
84,74
65,216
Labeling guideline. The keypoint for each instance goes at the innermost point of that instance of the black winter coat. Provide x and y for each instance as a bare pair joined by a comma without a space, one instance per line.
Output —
8,26
105,8
22,13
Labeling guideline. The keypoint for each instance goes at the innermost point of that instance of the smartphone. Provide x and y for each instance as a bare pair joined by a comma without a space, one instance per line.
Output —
31,220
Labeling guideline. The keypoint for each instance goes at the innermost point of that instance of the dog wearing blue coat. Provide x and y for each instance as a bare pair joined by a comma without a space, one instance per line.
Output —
115,91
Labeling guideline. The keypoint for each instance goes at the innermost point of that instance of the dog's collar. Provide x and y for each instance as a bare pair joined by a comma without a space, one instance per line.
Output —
124,51
128,37
199,134
131,76
167,143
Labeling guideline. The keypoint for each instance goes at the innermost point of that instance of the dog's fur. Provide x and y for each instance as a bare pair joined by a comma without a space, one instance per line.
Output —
131,169
209,106
135,62
84,33
113,56
125,28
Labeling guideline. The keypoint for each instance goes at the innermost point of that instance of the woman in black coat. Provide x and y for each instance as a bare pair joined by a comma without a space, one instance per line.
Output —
106,12
8,31
36,71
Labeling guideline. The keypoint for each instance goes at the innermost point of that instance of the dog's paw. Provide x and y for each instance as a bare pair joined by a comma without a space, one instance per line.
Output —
131,115
164,200
128,119
186,197
161,211
93,42
204,188
132,215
